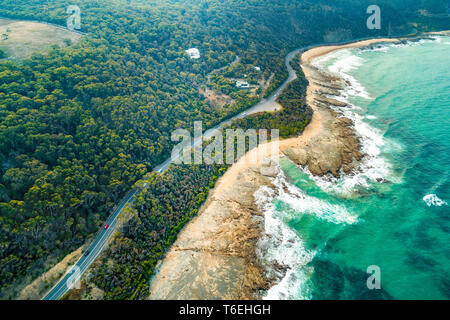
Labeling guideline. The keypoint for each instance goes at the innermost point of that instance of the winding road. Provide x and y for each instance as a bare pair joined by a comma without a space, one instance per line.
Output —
76,271
96,247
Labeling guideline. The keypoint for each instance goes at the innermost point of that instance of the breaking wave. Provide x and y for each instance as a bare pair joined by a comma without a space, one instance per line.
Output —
433,200
281,249
374,167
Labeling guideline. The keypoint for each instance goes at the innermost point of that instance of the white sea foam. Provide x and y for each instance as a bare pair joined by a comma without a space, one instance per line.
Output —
419,42
344,62
385,47
301,202
433,200
293,286
381,49
374,167
281,245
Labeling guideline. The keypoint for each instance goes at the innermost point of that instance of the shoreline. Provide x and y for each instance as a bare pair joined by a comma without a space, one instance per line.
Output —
324,50
214,256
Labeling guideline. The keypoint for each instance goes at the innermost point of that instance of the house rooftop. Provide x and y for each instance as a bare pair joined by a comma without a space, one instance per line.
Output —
193,53
242,84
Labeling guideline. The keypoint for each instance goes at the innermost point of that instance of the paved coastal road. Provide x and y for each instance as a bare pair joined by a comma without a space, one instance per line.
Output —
90,255
76,272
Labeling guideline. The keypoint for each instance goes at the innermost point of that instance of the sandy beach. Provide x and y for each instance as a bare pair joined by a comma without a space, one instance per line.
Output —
214,256
309,55
313,128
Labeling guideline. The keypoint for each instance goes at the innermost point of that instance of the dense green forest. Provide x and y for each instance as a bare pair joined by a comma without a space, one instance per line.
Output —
295,114
161,211
80,125
172,199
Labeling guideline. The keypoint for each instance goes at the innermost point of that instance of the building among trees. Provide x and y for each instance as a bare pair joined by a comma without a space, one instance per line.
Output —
193,53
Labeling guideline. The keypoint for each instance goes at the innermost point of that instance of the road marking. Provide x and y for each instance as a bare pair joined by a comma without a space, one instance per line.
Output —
84,265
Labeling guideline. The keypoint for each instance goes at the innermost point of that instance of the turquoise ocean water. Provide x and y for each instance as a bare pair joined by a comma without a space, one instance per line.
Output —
394,213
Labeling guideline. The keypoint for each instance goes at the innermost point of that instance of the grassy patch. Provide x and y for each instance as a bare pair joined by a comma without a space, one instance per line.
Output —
20,39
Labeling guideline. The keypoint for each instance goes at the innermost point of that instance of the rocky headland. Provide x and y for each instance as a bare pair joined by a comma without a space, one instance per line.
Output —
214,256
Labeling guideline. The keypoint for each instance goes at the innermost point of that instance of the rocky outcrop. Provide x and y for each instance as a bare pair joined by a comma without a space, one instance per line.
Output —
269,168
337,147
328,154
214,256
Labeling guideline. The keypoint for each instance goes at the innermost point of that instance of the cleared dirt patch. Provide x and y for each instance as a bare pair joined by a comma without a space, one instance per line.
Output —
41,285
265,84
20,39
217,100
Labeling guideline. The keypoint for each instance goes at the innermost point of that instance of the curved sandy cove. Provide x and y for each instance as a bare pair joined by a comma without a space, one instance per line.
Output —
214,256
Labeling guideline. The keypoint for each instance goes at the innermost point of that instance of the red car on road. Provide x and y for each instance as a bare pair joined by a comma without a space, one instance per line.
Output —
106,226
